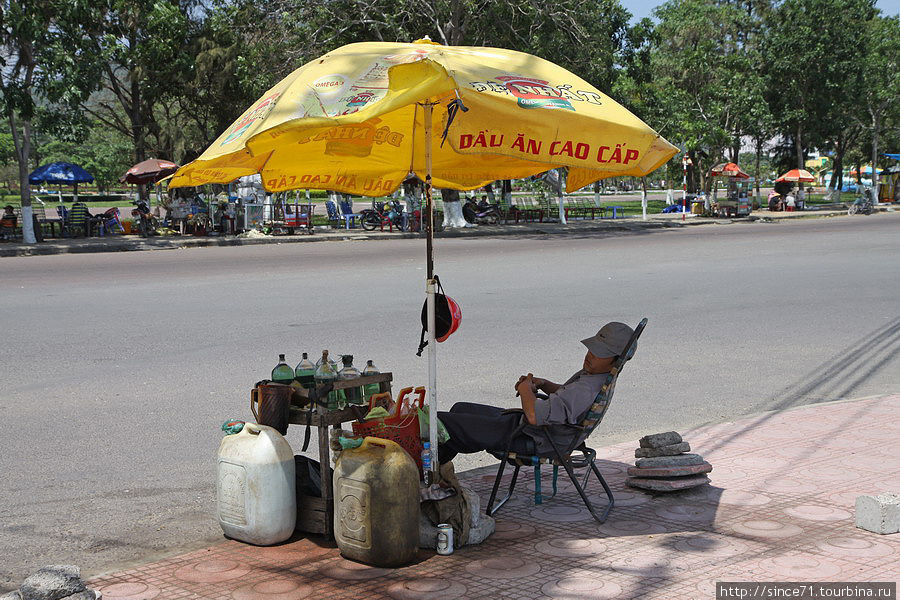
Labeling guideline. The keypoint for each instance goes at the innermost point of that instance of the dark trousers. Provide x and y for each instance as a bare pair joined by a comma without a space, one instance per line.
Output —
476,428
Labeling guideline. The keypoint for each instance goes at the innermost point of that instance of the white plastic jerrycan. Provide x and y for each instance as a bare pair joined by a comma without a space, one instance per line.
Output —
256,491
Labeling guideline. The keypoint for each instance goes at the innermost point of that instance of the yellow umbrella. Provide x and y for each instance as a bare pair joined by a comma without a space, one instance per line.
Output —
359,119
353,121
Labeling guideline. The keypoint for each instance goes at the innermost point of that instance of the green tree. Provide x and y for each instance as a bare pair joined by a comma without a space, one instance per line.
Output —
707,81
22,27
813,53
881,82
139,48
104,153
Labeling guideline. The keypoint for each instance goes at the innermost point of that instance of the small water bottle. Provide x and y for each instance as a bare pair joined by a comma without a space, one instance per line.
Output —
426,463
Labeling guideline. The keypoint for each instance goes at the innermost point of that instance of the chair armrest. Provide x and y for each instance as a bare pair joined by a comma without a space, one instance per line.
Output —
513,411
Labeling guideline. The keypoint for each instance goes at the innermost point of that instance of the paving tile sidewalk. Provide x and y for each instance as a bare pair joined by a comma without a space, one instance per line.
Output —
780,508
597,226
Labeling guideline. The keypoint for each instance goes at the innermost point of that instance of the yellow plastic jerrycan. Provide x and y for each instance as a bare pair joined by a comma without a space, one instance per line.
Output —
376,495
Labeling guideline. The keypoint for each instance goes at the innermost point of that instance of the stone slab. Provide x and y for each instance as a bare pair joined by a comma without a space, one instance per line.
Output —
673,450
13,595
667,485
658,440
670,471
682,460
52,583
85,595
878,514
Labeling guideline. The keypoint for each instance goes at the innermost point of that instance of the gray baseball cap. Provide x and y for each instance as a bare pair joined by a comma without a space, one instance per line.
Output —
610,340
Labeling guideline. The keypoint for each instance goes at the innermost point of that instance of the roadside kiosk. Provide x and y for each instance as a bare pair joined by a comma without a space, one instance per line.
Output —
736,202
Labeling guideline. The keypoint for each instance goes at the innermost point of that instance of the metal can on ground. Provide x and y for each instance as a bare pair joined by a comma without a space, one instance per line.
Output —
444,539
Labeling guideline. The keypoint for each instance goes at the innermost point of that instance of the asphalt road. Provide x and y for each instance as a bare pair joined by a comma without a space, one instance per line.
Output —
118,369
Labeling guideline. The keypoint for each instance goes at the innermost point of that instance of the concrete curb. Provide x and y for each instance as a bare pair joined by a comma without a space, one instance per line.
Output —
95,245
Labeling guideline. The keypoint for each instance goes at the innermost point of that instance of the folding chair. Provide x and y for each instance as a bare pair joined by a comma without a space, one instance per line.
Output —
564,440
347,214
109,222
334,218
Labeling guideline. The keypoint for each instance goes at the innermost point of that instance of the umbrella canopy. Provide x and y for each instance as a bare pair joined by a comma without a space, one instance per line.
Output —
866,170
728,170
60,173
798,175
352,121
149,171
359,119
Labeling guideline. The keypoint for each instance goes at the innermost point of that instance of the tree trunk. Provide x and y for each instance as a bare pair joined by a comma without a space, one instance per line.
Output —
453,216
875,127
837,173
506,192
644,197
22,146
759,144
489,189
137,131
798,145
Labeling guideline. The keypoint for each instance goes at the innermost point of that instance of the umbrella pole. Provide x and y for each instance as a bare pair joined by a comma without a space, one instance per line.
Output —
430,291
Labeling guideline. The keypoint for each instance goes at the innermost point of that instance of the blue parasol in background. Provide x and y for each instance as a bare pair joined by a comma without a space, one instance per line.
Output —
61,173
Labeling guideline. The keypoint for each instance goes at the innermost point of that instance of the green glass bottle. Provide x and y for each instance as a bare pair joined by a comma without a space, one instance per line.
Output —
370,388
352,395
282,373
305,372
325,373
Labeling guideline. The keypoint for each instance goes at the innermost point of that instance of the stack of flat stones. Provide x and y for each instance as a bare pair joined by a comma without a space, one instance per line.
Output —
664,464
56,582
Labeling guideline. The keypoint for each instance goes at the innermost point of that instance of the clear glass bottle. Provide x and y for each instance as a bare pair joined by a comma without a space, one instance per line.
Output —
351,395
282,373
370,388
305,372
325,373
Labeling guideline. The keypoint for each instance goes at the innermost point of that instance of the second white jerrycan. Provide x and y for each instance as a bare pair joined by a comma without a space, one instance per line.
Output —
256,491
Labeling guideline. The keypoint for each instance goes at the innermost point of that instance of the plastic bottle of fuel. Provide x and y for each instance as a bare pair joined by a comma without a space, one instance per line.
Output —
426,463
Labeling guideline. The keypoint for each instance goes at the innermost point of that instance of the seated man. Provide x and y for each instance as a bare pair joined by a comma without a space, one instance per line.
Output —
477,427
8,222
79,219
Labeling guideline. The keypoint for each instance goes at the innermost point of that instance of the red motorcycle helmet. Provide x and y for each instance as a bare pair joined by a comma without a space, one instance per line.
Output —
447,317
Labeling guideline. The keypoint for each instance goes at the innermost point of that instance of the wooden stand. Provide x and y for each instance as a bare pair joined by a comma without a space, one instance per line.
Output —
316,515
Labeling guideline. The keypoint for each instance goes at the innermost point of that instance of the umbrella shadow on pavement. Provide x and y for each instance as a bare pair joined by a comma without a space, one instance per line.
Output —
836,379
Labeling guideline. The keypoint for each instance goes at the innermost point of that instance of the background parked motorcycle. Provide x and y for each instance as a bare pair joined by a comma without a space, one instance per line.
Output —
146,222
864,204
483,212
382,213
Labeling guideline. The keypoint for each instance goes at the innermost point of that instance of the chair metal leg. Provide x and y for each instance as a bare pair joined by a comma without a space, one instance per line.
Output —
567,465
606,489
584,498
491,509
496,486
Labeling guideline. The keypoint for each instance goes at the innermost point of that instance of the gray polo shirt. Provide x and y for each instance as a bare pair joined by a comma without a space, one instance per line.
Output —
571,400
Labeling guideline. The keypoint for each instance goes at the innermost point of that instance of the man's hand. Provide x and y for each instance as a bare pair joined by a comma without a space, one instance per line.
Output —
525,388
536,383
526,380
